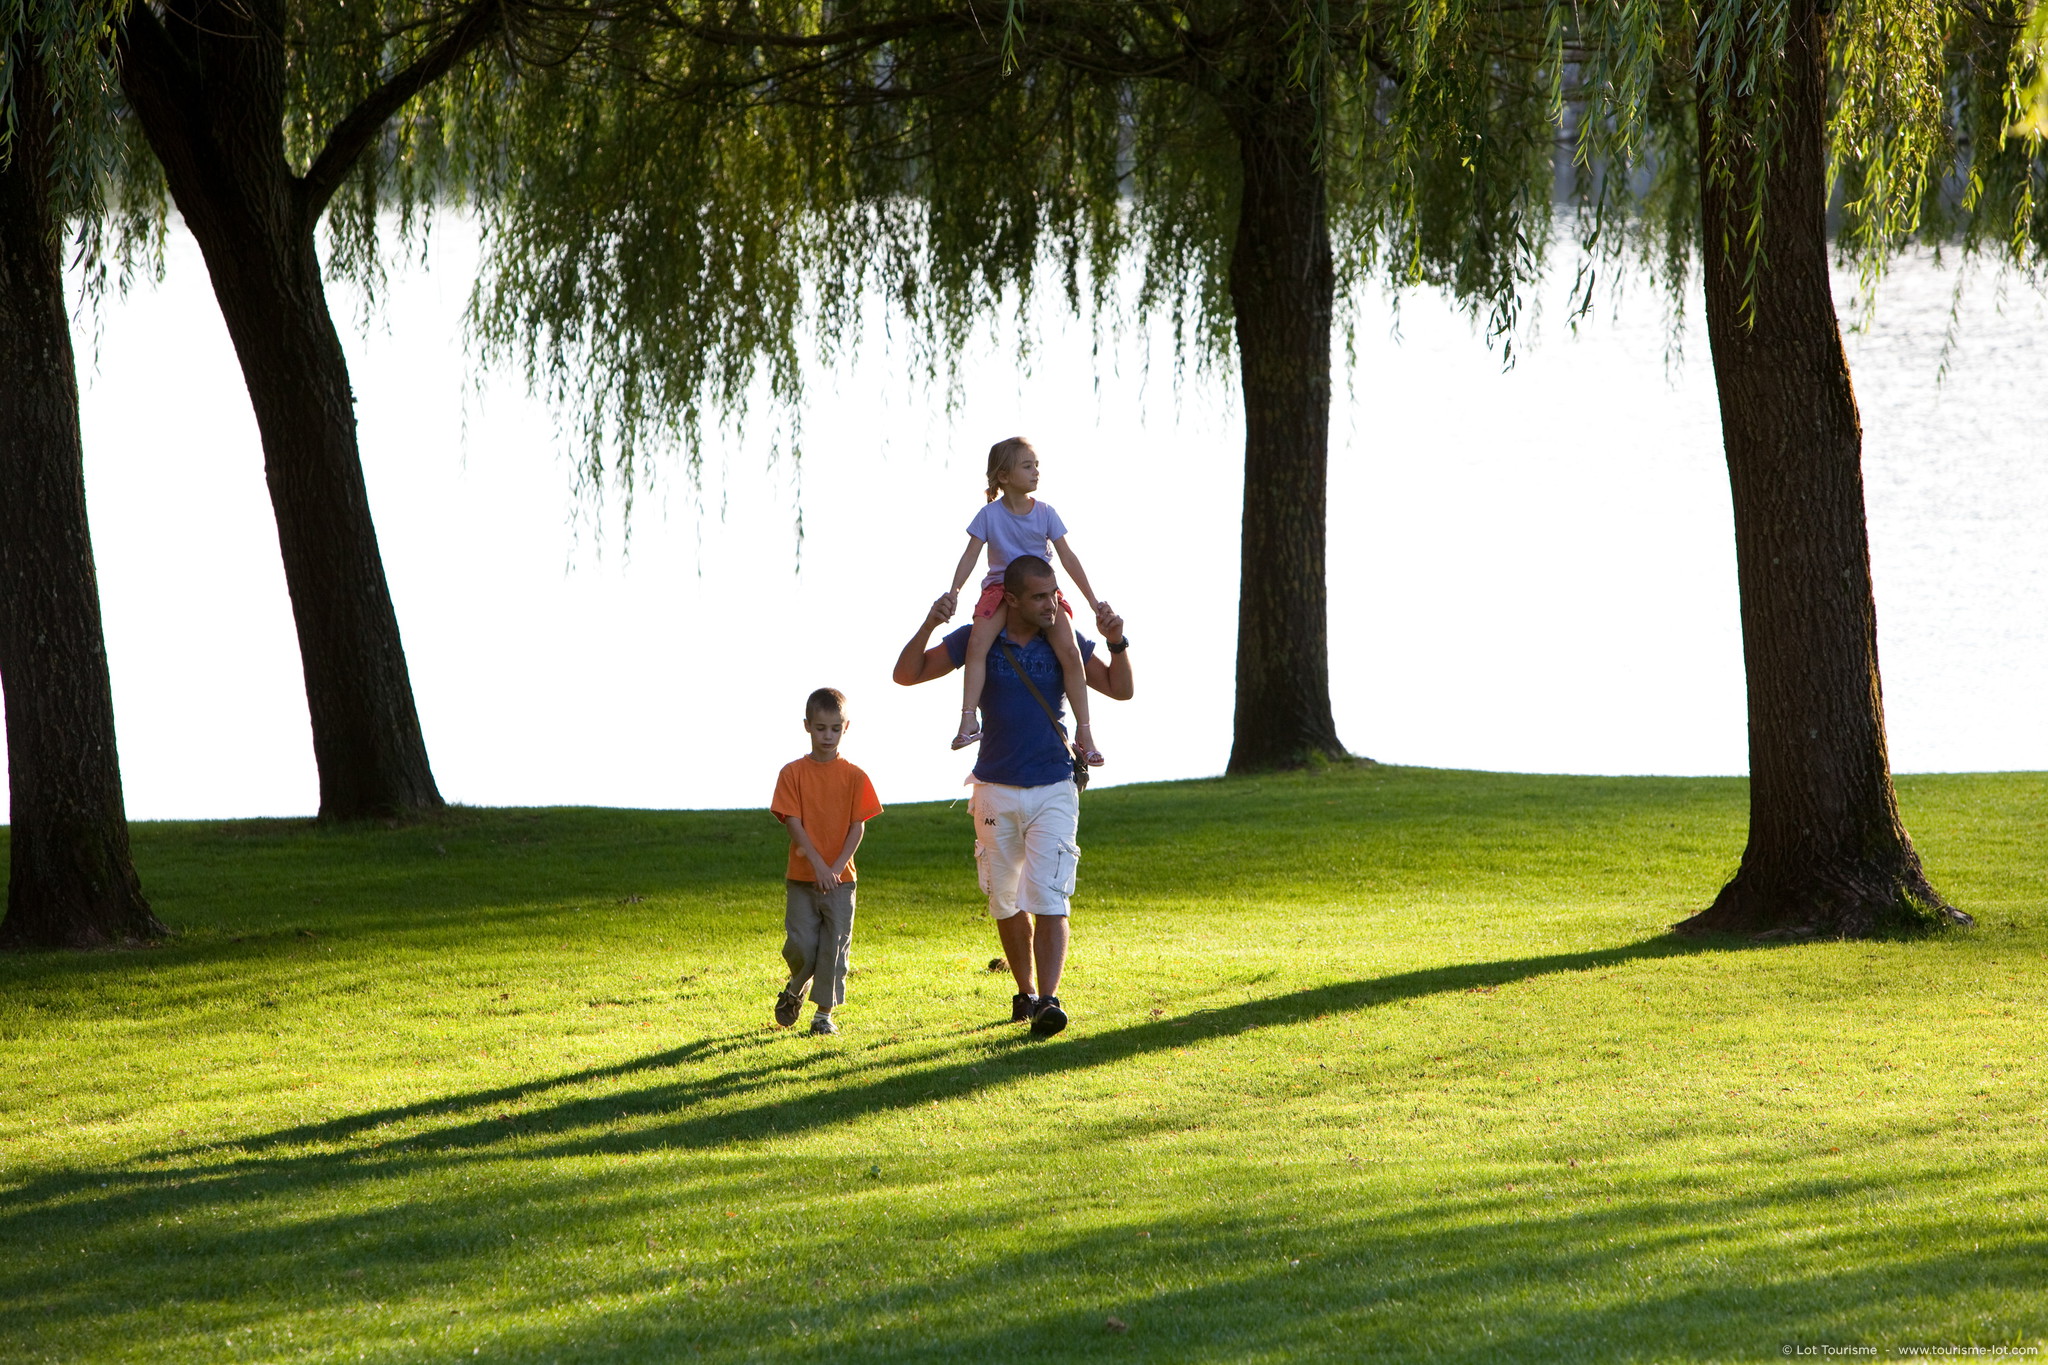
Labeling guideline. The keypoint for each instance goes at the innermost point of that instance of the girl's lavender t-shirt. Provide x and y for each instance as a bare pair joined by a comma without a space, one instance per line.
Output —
1009,535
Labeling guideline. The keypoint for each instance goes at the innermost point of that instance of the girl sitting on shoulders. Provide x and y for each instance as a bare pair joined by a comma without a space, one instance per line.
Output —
1013,523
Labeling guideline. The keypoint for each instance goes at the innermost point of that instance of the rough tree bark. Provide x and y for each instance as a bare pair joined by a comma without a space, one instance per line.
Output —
1827,853
207,81
70,880
1281,290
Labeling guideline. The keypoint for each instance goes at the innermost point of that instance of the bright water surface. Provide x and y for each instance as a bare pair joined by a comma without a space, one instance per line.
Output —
1528,571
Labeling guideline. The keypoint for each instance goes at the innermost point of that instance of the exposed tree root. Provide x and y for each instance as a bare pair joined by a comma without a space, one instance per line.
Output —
1862,901
140,931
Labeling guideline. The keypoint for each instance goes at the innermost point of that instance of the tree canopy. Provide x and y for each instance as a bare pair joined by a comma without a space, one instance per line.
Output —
700,189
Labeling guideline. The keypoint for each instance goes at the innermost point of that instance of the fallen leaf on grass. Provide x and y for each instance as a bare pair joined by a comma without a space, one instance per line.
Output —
1115,1324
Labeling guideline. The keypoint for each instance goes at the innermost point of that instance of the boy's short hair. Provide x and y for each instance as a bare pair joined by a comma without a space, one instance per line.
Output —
1024,569
825,699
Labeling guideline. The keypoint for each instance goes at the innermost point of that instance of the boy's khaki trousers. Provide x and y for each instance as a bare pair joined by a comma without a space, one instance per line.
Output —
818,929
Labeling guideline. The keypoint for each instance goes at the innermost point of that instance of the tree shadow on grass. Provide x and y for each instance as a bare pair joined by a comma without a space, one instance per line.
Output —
563,1128
1395,1281
1654,1270
477,1119
1467,1278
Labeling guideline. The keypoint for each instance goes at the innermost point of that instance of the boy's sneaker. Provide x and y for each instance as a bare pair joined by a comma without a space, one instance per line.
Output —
1022,1007
822,1024
1048,1018
787,1007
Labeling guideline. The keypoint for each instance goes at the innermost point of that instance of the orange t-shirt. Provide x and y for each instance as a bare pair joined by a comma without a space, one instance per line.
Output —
828,798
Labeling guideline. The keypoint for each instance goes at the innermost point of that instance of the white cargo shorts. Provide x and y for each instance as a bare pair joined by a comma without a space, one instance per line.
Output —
1024,846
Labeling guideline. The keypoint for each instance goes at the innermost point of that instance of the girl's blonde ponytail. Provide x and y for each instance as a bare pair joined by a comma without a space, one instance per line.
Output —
1001,456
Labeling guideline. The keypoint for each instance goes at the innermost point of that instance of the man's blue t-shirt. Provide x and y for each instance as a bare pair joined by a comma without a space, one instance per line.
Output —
1019,747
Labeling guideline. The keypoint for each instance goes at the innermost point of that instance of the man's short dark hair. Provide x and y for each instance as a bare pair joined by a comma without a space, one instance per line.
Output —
826,700
1022,570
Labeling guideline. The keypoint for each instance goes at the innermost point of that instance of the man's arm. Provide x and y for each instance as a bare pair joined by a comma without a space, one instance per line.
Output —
1111,679
917,664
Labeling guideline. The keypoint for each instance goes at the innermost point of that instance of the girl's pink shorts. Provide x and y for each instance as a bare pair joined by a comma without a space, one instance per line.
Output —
991,602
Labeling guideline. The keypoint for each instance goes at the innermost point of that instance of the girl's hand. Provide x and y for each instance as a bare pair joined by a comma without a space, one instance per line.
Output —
943,609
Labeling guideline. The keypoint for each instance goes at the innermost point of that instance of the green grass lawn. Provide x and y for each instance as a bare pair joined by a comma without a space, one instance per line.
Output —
1371,1063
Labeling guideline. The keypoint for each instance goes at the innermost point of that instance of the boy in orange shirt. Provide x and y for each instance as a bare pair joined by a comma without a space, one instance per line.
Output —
825,802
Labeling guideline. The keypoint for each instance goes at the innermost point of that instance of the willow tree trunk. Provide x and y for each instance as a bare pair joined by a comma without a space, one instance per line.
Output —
1281,287
207,84
70,880
1827,853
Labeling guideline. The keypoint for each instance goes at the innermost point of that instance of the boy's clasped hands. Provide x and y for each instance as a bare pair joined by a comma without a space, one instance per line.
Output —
829,874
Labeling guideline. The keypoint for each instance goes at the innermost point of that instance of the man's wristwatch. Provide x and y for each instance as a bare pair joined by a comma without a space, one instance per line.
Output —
1119,646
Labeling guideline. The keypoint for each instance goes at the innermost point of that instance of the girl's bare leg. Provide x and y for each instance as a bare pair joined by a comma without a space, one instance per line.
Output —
1075,671
975,668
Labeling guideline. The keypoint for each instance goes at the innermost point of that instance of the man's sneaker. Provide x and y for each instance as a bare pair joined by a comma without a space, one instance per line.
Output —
787,1007
822,1023
1022,1007
1048,1018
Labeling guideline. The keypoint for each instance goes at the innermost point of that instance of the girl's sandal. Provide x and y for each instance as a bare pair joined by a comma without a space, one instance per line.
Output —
1087,751
970,732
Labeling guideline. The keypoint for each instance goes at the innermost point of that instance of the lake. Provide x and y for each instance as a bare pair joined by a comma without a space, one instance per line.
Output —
1529,570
